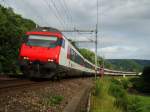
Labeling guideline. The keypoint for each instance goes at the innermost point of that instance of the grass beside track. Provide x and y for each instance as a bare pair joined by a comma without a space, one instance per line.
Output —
101,101
144,104
111,95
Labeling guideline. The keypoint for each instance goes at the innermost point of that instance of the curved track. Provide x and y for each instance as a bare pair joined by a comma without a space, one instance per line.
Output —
14,84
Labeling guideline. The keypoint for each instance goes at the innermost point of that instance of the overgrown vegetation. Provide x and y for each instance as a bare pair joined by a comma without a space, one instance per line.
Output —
101,101
123,101
12,27
146,79
111,95
142,84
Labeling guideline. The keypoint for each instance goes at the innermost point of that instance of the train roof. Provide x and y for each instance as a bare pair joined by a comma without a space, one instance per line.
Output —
48,29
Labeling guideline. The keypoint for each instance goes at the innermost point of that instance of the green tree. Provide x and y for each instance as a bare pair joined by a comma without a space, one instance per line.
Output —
12,27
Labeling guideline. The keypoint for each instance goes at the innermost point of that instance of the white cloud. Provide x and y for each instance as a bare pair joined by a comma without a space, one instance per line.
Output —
109,52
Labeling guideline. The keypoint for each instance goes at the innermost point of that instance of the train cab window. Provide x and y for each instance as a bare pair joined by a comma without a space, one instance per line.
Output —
63,43
44,41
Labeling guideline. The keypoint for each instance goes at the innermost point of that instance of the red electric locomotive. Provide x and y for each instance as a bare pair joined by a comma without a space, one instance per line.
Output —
46,53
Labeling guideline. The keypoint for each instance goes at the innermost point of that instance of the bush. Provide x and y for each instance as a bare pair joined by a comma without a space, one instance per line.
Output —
146,79
142,83
137,83
125,83
124,101
114,81
146,74
116,91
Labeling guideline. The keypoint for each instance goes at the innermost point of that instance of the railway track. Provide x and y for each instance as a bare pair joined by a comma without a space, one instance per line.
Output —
16,85
4,84
13,84
10,81
10,84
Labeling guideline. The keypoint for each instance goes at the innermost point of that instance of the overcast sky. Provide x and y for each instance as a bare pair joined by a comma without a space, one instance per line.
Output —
124,25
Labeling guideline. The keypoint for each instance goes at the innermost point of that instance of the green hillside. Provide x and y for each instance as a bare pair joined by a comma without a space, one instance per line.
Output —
12,26
129,64
143,62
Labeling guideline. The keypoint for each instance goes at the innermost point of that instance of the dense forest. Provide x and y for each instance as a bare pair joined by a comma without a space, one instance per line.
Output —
12,26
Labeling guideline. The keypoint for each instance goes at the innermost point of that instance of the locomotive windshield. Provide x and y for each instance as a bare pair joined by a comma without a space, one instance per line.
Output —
44,41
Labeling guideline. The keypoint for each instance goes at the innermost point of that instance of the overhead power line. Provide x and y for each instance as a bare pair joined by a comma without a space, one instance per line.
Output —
58,12
35,12
69,12
65,11
61,12
52,9
76,30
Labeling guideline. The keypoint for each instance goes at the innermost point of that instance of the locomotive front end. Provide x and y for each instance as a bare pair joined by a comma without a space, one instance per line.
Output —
39,54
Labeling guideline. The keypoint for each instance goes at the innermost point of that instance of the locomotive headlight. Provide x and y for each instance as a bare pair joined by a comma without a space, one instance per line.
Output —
26,58
50,60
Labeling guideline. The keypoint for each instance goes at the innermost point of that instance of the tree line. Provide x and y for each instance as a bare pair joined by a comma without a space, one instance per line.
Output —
12,27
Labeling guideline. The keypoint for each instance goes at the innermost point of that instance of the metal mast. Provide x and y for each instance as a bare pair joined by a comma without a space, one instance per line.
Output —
96,35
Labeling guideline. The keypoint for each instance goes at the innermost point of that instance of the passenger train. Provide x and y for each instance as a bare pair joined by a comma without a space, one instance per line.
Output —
46,53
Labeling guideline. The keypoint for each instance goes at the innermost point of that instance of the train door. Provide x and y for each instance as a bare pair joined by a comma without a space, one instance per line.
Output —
63,53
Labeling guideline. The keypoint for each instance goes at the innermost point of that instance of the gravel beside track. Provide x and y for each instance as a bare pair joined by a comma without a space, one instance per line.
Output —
45,96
